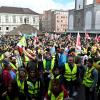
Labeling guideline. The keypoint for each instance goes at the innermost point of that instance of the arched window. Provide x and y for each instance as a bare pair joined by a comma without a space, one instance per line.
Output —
88,20
97,20
71,19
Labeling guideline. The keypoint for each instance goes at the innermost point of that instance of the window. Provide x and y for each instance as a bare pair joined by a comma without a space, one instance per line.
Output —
7,28
33,19
27,19
57,29
14,19
0,28
61,20
63,17
79,6
57,16
58,21
6,19
21,20
14,27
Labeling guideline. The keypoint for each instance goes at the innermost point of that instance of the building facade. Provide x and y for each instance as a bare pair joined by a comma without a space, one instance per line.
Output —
54,21
12,17
85,16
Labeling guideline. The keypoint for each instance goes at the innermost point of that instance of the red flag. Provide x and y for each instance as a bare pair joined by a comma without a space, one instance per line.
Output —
96,38
35,40
87,37
46,34
69,36
78,43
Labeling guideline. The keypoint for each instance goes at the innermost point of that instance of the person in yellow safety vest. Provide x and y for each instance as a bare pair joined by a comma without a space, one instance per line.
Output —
90,80
48,64
98,84
71,76
26,60
89,52
1,59
56,73
22,83
56,92
19,61
13,63
96,64
33,84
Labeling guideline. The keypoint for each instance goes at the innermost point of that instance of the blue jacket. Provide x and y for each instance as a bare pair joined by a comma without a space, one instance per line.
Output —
62,59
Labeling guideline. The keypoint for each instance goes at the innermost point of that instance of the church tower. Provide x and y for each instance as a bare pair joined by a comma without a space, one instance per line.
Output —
79,4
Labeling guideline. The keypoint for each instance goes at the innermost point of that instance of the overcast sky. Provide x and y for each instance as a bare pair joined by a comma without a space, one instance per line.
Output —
40,5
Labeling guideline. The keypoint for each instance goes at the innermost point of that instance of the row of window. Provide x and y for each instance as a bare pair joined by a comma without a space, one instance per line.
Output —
62,17
59,21
15,19
63,30
7,28
59,12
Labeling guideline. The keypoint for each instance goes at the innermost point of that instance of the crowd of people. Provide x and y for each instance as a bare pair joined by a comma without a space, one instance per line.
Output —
49,68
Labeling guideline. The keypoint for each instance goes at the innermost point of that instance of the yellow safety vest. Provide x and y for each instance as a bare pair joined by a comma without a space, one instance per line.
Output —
13,66
26,59
20,86
1,57
98,62
90,54
70,75
59,97
88,81
52,63
33,89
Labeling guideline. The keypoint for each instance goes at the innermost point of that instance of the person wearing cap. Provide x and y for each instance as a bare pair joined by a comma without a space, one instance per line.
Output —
33,84
22,83
90,80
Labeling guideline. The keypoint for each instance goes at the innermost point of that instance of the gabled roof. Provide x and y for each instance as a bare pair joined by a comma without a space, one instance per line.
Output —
17,10
24,29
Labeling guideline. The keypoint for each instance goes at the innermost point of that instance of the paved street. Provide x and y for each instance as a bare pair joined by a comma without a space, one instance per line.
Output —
81,95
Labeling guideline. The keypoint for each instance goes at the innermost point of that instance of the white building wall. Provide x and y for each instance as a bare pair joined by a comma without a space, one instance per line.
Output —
11,24
88,2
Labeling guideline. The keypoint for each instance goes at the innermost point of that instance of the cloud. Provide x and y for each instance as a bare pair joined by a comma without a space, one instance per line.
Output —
37,5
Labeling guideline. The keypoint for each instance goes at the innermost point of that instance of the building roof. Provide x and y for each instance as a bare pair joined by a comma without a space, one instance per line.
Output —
24,29
17,10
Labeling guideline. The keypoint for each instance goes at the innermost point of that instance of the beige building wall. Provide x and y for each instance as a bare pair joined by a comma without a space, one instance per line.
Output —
54,21
61,21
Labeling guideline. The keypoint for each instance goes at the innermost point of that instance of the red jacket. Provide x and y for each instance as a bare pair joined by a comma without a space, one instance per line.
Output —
6,77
